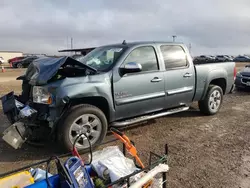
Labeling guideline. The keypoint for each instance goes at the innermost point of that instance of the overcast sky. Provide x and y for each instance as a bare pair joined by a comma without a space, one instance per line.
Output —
211,26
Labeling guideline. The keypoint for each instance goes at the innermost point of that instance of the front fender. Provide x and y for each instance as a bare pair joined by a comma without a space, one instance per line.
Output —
80,90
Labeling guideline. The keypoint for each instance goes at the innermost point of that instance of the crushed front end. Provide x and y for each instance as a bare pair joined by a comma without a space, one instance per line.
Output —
35,113
30,121
18,114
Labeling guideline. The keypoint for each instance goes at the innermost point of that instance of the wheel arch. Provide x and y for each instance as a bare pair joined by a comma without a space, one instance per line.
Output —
97,101
221,82
218,81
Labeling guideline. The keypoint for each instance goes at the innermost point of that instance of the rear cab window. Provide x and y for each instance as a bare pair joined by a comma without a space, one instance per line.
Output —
174,57
145,56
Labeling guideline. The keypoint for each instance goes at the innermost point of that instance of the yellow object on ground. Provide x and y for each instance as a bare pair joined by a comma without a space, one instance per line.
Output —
18,180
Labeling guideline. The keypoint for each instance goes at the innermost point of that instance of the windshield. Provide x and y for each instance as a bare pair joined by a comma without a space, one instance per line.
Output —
79,58
102,58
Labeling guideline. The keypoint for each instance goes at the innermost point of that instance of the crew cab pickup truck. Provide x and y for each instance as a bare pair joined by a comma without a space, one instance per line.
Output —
113,85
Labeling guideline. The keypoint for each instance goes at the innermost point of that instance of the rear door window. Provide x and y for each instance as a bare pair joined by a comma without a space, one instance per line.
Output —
174,56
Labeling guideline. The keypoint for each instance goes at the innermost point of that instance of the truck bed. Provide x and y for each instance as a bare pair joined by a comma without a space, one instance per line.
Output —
210,71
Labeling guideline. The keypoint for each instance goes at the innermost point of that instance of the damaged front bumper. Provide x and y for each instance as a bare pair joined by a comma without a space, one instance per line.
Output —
22,116
16,134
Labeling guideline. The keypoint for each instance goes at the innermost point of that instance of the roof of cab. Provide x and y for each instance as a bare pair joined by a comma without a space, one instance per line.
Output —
131,44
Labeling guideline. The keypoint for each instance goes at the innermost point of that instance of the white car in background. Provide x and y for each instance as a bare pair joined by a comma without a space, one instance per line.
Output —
1,60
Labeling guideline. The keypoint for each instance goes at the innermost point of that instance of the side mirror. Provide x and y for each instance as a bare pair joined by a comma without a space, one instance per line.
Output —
131,67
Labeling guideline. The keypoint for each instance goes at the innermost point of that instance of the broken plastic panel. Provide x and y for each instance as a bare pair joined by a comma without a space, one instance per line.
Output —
15,135
27,111
18,104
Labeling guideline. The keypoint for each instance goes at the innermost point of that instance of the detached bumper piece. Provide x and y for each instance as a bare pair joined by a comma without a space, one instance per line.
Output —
16,134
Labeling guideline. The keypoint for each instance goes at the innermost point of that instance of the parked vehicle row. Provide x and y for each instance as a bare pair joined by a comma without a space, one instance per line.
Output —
203,58
23,62
242,58
10,61
220,58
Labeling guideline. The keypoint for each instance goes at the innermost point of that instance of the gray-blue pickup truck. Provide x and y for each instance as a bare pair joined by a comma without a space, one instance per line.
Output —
113,85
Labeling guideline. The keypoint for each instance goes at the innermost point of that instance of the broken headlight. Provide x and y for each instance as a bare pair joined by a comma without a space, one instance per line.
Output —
41,95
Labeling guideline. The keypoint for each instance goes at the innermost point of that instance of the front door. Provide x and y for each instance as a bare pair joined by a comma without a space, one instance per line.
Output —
179,76
142,92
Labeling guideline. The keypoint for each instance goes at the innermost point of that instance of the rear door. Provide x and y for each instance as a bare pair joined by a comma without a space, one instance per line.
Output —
143,92
179,76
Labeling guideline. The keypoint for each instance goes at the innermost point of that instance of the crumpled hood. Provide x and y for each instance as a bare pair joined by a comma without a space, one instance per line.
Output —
245,71
42,70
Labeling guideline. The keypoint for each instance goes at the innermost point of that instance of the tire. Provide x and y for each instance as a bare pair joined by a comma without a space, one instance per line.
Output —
19,65
209,106
67,133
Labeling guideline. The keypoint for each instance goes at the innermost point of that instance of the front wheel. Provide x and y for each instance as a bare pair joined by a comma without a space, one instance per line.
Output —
86,119
213,100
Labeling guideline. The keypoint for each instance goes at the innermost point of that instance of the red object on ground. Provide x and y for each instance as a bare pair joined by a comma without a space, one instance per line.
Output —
75,153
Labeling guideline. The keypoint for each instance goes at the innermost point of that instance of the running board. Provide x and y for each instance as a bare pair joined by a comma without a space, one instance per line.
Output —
148,117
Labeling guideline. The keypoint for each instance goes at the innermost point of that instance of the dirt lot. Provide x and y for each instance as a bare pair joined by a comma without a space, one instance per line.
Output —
205,151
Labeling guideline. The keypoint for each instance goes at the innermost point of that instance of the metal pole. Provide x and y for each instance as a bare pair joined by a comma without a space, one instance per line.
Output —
174,36
190,47
71,45
67,42
71,42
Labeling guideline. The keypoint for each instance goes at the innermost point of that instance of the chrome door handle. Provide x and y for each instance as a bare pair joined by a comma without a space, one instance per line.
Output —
187,75
156,79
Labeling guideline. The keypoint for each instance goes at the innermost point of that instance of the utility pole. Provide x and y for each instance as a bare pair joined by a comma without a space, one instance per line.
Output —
174,36
71,43
189,47
67,42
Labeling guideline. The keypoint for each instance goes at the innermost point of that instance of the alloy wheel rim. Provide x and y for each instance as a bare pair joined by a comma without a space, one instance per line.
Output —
215,100
89,124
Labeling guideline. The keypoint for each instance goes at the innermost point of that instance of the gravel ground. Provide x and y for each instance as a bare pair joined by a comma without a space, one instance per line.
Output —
204,151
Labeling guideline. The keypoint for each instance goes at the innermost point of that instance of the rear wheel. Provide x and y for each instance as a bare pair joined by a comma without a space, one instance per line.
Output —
86,119
19,65
213,100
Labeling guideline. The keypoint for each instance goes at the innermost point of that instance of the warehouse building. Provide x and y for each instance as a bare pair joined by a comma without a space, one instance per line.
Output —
6,55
